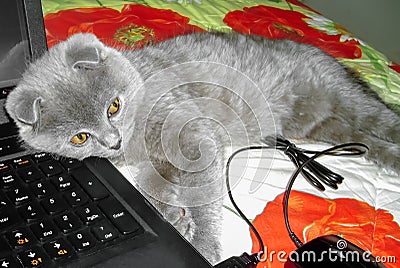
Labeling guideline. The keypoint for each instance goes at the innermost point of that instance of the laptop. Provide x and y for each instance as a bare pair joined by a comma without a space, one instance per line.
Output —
64,212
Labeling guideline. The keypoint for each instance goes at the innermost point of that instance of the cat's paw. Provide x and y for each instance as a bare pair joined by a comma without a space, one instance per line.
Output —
182,220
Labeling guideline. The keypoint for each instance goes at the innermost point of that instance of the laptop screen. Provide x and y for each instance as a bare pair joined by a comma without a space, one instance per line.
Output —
14,49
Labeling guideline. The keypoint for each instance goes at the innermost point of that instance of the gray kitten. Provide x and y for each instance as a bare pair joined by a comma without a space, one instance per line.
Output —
169,110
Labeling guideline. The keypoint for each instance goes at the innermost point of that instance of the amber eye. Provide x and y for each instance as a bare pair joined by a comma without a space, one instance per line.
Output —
113,108
80,138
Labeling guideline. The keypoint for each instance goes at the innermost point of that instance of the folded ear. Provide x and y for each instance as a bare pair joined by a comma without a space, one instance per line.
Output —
25,108
84,58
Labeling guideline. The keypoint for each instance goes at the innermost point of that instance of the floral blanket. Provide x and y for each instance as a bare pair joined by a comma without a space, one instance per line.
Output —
365,210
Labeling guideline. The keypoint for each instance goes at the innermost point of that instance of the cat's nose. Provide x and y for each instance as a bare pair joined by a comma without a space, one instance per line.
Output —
117,145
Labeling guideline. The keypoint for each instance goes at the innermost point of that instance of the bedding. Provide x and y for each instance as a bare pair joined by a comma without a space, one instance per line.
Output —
365,209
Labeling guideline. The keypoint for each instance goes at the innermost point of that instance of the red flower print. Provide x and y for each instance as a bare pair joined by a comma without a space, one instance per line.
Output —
310,216
277,23
133,27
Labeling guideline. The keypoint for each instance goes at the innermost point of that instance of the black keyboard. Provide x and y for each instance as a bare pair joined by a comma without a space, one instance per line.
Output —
55,211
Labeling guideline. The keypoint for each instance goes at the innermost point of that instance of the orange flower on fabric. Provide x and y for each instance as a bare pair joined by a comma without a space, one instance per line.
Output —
310,216
278,23
133,27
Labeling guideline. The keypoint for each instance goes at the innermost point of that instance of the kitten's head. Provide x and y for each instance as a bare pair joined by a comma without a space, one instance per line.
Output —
72,101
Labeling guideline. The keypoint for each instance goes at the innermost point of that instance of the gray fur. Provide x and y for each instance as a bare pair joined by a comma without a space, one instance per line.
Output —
309,96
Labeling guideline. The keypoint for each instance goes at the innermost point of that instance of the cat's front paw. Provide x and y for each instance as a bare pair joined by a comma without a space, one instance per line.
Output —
182,220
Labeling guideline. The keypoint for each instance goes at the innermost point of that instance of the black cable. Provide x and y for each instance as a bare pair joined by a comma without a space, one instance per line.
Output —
313,172
254,230
330,178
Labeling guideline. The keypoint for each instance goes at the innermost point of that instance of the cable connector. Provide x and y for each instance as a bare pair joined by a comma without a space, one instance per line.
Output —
243,261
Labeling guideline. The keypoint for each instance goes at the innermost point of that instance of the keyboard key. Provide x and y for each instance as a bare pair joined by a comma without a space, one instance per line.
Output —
70,163
30,173
7,180
89,214
54,205
9,145
41,157
4,167
31,212
8,217
90,183
44,230
104,232
76,197
9,262
19,195
42,189
114,210
51,168
62,182
20,237
4,92
21,162
68,222
34,257
59,249
82,240
3,201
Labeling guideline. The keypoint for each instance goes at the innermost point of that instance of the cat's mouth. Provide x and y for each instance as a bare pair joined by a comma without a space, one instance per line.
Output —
113,145
116,146
115,150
